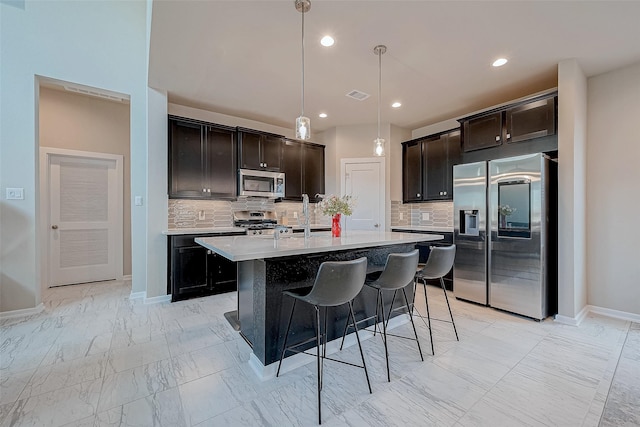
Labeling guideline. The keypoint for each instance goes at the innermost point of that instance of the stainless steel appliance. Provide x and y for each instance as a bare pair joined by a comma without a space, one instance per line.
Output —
505,230
252,183
260,223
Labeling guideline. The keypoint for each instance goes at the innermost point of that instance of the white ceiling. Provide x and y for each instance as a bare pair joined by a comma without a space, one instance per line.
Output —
243,58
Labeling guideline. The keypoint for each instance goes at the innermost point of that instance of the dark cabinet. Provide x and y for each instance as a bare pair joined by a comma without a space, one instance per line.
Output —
532,120
303,166
482,132
202,160
412,171
258,150
526,120
427,167
195,271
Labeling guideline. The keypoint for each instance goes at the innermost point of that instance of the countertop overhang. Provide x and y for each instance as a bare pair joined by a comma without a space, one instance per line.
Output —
245,248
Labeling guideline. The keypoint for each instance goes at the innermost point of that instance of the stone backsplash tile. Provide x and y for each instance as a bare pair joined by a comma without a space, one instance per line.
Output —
440,214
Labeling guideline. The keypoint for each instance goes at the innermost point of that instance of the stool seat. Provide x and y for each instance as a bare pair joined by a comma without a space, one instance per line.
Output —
438,264
337,283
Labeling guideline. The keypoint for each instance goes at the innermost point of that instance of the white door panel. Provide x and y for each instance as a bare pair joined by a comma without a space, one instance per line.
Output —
364,180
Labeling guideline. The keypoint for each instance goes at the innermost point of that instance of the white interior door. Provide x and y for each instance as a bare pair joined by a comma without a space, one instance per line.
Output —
364,180
85,219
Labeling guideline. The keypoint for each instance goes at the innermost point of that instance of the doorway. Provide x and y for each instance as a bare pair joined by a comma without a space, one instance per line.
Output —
84,216
364,179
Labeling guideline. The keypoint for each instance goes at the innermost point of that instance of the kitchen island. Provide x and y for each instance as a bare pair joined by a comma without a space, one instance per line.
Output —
269,266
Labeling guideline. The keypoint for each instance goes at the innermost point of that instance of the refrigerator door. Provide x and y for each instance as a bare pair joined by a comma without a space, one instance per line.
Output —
517,201
469,212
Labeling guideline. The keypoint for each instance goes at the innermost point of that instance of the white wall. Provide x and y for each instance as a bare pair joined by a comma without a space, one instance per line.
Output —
64,41
613,193
572,178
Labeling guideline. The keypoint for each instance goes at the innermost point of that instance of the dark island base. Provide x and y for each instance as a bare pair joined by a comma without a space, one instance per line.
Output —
263,311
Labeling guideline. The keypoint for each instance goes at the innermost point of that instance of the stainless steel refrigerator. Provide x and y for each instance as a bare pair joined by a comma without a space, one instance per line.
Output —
505,231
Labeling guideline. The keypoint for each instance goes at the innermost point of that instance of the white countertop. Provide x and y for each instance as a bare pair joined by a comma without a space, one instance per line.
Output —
423,228
243,248
210,230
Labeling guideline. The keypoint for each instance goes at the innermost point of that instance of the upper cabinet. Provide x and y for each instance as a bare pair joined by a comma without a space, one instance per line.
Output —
303,166
202,160
527,120
258,150
427,167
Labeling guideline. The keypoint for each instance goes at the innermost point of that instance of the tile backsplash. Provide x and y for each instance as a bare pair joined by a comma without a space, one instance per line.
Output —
440,214
184,213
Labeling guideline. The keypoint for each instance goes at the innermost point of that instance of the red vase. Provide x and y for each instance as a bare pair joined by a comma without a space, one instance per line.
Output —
336,229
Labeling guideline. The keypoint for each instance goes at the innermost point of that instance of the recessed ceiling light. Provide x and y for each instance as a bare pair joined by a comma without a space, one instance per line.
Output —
322,115
396,105
327,41
499,62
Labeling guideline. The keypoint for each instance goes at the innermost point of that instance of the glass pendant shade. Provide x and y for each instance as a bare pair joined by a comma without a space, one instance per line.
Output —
378,147
303,128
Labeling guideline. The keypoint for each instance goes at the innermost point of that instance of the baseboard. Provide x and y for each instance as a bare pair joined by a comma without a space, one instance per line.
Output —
23,312
126,277
137,295
617,314
572,321
158,299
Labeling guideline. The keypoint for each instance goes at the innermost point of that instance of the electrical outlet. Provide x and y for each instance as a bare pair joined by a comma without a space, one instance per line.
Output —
295,214
425,216
15,194
201,215
401,215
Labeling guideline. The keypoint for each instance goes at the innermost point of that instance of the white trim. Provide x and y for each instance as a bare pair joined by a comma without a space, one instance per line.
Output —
157,300
572,321
297,360
23,312
126,277
138,295
617,314
382,207
45,154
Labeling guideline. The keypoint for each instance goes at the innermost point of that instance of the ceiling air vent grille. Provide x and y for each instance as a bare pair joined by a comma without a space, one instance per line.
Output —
98,94
357,95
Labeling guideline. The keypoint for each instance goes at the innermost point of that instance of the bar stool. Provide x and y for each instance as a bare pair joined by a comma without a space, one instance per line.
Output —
337,283
438,264
398,272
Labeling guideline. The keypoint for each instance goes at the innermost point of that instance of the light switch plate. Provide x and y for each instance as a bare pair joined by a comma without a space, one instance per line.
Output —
295,214
401,215
138,200
425,216
15,194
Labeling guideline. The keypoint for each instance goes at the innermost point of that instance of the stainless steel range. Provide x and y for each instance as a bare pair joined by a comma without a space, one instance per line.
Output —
259,223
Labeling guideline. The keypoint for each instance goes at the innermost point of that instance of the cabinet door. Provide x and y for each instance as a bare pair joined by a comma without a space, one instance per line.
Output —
482,132
412,171
313,170
532,120
221,162
186,160
292,168
250,150
271,152
223,274
453,158
435,168
189,272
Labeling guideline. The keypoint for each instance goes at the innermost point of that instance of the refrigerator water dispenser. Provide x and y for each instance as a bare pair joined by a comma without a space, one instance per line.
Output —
469,222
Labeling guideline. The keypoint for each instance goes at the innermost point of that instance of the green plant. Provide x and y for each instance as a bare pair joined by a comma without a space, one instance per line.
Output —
333,204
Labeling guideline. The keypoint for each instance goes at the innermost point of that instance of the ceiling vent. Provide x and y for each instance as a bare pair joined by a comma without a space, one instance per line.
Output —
357,95
112,96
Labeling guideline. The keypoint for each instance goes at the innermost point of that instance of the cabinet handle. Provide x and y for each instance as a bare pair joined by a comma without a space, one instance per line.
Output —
418,195
208,190
508,136
497,137
204,190
444,193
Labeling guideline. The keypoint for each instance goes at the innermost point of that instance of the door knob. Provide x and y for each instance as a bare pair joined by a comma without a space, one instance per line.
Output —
376,225
54,227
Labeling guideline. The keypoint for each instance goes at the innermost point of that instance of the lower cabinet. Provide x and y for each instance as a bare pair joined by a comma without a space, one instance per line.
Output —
194,271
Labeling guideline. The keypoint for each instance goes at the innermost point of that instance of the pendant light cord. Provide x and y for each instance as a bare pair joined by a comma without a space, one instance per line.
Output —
303,12
379,87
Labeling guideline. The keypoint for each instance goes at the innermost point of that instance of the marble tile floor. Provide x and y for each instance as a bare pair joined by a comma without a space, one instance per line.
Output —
96,358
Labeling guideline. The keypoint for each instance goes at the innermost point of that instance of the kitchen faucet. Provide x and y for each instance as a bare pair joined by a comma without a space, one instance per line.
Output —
305,213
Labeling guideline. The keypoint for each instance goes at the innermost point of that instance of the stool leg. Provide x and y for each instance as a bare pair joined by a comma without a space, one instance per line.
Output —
286,337
375,324
384,335
393,299
344,333
355,327
412,324
450,314
426,302
319,366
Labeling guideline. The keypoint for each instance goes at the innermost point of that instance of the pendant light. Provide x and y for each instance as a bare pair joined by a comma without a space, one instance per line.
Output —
303,124
378,143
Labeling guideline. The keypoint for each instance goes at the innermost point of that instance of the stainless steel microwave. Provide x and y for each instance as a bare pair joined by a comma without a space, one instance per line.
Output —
252,183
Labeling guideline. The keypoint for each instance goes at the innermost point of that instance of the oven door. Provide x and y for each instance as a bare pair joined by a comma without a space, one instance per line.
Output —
253,183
